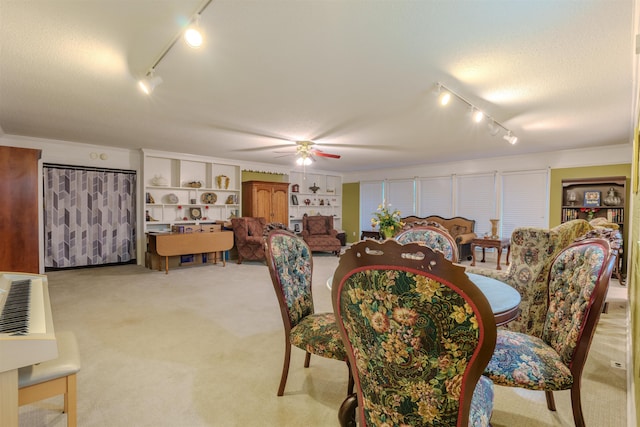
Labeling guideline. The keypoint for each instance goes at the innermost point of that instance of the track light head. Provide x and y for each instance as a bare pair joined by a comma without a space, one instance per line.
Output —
149,83
478,116
193,35
511,139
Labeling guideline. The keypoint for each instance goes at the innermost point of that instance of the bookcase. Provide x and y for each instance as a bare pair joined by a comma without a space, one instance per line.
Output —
182,190
325,200
590,198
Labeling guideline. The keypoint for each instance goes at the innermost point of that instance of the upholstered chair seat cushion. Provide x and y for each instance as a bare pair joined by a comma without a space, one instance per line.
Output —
481,403
525,361
318,334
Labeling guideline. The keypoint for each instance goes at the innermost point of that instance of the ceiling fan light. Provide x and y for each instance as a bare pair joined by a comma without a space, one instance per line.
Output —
149,83
478,116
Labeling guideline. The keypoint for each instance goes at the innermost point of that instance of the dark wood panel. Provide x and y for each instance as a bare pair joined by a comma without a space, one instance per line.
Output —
19,214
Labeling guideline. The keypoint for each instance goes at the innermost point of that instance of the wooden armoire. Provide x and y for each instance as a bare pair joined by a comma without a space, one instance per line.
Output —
19,251
269,200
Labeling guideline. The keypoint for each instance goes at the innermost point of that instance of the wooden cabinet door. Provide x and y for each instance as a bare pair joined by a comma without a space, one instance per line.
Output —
19,250
262,205
280,204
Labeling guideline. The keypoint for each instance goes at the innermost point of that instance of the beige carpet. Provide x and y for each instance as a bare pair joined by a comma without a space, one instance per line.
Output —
203,346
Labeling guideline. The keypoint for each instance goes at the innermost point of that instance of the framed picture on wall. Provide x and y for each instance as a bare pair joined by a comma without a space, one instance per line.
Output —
294,199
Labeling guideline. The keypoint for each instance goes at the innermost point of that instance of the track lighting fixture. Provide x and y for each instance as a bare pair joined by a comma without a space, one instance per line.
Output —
193,37
444,96
512,139
149,83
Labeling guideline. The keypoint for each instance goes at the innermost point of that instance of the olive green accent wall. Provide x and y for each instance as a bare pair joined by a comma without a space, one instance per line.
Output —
557,175
263,176
351,211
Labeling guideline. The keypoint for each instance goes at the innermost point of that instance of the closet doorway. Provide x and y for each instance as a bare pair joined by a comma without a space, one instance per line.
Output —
89,216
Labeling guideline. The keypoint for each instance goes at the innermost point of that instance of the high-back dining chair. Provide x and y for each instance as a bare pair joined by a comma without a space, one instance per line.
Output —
578,282
418,335
434,237
291,267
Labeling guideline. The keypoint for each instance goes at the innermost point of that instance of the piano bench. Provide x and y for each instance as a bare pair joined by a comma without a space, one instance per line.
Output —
53,377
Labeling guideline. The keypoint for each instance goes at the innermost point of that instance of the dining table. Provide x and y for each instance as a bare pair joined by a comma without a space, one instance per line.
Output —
503,299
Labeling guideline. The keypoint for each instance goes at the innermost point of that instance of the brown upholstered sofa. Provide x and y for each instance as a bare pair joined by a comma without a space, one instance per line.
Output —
318,232
461,229
249,240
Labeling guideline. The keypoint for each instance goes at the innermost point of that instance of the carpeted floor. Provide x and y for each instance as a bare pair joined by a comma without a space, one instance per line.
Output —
203,346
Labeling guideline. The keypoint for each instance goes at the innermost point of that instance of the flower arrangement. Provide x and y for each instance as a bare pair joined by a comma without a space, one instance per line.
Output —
388,221
591,212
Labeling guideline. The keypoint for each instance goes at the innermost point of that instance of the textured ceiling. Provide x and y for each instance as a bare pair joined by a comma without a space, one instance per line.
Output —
354,76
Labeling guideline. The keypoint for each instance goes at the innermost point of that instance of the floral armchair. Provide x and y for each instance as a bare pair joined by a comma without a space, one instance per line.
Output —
418,335
248,233
532,251
319,234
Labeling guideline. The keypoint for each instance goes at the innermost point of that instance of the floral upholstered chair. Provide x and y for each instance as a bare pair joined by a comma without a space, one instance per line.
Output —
291,267
418,334
532,251
578,283
436,238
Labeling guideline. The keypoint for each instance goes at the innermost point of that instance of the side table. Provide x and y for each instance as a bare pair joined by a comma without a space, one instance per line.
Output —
498,244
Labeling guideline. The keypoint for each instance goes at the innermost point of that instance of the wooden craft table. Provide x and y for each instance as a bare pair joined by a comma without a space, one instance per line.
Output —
498,244
172,244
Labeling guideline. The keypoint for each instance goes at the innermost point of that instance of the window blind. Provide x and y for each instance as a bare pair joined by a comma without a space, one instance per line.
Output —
476,199
435,197
525,200
401,196
371,196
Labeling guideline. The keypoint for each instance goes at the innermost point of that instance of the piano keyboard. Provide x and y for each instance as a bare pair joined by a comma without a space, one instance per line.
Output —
26,325
14,318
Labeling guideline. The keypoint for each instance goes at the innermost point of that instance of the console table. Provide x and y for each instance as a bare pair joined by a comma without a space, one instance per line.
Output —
172,244
498,244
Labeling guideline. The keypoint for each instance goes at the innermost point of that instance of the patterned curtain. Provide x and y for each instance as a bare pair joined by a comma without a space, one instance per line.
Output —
90,216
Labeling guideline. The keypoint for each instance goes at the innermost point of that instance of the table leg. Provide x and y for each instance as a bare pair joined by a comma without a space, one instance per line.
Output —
473,255
166,265
482,254
499,255
508,253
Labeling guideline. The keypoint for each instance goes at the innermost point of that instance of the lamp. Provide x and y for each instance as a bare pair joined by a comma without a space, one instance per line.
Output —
512,139
193,37
303,160
149,83
444,96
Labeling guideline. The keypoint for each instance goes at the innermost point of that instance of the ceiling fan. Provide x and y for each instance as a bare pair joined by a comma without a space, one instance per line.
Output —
305,153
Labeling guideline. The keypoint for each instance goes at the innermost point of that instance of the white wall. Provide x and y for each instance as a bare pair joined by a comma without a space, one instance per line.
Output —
615,154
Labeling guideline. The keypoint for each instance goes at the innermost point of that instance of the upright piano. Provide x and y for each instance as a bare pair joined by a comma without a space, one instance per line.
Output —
26,334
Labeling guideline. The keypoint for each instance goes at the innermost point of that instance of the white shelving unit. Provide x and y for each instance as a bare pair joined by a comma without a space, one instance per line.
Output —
326,200
180,190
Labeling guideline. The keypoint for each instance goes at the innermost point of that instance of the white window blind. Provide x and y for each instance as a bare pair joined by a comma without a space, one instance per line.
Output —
435,197
371,197
476,199
525,199
401,196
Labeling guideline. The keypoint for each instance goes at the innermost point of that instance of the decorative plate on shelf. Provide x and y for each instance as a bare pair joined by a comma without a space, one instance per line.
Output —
209,198
172,199
195,213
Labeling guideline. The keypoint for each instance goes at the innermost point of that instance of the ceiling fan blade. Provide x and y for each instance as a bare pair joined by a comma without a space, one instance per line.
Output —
323,154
